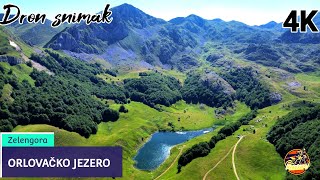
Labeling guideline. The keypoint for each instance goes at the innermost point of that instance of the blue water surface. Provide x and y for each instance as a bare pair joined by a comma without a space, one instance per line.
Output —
157,149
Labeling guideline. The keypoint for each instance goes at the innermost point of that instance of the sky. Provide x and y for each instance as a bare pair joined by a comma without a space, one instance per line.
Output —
252,12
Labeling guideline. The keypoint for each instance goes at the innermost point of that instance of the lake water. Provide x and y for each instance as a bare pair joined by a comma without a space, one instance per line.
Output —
157,149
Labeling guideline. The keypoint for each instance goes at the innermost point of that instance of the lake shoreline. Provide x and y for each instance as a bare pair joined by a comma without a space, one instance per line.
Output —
159,150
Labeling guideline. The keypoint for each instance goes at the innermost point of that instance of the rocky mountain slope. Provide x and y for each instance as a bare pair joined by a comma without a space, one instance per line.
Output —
34,34
136,36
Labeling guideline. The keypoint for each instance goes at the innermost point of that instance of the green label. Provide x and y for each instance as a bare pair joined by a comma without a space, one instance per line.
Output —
27,139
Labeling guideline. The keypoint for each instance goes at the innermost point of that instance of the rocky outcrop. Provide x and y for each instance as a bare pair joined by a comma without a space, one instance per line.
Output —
275,98
294,84
136,36
187,62
215,79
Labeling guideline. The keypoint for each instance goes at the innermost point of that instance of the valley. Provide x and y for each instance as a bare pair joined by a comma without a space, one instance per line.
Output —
138,129
117,84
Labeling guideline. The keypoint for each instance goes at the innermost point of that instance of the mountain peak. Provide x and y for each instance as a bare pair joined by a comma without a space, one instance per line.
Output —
136,17
196,19
143,36
272,25
126,6
127,9
191,18
268,25
217,20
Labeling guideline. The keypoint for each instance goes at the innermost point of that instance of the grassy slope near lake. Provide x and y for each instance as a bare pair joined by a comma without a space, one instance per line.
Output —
254,154
134,128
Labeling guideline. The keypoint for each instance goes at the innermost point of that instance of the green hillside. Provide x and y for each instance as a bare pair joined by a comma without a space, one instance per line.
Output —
6,48
35,34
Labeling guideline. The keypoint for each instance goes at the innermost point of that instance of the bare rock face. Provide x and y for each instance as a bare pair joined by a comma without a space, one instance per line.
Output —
215,79
294,84
11,60
275,97
187,62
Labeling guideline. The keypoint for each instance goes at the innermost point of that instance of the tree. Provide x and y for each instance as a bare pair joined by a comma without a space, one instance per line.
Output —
29,63
110,115
4,114
248,87
123,109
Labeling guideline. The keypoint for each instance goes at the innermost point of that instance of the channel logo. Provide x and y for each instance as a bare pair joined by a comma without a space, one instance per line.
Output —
297,161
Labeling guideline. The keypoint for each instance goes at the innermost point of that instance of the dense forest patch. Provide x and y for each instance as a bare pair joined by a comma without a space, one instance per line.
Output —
248,87
154,88
81,72
64,100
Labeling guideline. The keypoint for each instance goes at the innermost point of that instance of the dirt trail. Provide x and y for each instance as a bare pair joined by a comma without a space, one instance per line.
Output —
205,176
233,163
232,148
171,164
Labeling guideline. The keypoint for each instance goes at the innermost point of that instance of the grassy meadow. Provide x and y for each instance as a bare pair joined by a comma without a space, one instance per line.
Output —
133,129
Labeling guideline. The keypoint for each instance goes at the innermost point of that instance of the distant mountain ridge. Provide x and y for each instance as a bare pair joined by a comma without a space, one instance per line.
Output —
34,34
306,38
134,36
